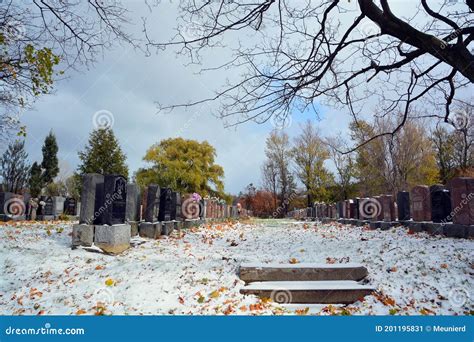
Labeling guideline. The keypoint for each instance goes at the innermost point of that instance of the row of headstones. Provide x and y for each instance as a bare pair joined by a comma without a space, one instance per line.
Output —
112,212
438,209
20,207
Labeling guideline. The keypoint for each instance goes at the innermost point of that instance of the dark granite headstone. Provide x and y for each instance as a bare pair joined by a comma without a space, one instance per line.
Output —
166,206
462,200
440,204
153,203
420,203
70,206
340,209
48,208
115,199
403,205
356,208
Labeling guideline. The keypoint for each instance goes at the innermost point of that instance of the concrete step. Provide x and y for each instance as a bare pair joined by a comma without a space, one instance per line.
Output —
301,272
309,292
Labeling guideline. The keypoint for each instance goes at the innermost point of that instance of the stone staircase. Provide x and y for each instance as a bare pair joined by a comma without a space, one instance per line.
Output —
306,283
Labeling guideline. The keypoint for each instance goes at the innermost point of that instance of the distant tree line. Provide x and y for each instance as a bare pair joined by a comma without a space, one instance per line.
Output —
296,172
186,166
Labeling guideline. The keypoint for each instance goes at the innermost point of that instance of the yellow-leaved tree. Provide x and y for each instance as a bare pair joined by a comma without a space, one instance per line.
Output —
184,165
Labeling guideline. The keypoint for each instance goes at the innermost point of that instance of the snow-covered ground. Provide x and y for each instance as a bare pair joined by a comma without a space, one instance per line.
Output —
196,272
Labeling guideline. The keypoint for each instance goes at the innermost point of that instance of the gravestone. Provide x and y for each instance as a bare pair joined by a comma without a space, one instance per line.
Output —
132,207
403,205
177,213
5,197
166,205
115,199
153,203
92,188
208,210
26,205
203,208
420,203
356,208
388,208
352,209
70,206
340,209
462,200
440,204
58,205
47,207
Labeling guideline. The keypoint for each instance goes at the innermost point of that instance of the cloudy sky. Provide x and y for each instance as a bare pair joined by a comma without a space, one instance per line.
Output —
127,84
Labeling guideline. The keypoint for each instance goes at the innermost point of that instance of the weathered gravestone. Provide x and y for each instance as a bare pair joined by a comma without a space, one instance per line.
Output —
83,233
388,208
132,207
70,206
58,205
420,203
440,204
151,228
177,214
340,209
462,200
203,208
462,206
403,205
153,203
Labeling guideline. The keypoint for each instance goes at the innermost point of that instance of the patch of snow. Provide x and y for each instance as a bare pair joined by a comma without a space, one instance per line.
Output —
196,271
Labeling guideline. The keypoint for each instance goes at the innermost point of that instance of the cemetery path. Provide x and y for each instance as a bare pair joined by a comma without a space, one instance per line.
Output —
195,272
